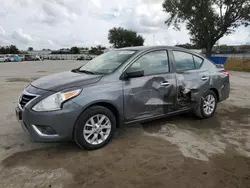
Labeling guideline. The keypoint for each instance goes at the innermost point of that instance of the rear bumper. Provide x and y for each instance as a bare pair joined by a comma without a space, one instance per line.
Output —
61,122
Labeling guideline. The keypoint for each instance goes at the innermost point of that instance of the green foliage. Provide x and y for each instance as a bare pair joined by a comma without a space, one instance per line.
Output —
97,50
187,46
9,50
30,48
121,37
245,47
74,50
207,20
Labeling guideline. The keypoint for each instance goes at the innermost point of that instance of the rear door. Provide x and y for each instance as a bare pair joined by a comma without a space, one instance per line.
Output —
190,75
153,94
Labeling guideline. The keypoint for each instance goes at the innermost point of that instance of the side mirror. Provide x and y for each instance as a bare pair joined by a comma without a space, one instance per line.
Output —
133,73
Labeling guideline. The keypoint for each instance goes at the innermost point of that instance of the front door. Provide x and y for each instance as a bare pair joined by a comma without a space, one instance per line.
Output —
153,94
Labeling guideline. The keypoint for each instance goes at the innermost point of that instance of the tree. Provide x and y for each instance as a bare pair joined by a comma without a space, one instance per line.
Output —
121,37
97,50
30,49
208,20
75,50
187,46
9,50
13,49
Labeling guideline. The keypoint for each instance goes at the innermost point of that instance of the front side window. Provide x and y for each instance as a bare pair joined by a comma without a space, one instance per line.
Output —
108,62
152,63
184,61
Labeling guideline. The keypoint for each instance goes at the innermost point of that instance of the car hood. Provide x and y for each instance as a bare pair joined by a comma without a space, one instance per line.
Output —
65,80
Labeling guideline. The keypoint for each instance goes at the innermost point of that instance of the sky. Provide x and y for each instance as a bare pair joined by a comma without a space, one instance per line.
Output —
65,23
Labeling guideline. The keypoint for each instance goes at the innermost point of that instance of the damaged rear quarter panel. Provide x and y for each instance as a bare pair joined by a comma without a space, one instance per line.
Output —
191,82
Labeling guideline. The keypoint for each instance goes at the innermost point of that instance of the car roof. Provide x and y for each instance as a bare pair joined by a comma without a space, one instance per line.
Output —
142,48
146,48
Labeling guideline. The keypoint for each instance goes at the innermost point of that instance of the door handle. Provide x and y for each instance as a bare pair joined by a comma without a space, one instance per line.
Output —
165,84
204,78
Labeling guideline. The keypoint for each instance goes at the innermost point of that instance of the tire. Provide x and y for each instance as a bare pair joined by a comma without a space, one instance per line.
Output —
84,128
201,110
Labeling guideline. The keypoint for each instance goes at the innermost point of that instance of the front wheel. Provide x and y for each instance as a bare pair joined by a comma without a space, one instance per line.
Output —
95,128
207,106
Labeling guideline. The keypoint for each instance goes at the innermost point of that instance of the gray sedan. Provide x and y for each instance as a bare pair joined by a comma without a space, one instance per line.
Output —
120,87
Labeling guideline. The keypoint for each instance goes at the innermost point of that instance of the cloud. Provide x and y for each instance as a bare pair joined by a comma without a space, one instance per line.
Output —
151,1
64,23
240,36
21,37
24,2
55,13
51,42
2,31
97,3
142,16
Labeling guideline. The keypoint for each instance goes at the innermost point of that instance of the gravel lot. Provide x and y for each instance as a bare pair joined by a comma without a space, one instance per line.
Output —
180,151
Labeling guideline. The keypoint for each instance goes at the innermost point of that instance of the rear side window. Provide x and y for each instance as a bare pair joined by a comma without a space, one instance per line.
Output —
197,61
184,61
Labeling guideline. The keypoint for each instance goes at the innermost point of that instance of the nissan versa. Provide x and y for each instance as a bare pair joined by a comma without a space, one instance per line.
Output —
119,87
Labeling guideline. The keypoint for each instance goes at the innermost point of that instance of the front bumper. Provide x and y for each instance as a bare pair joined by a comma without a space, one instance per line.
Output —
61,122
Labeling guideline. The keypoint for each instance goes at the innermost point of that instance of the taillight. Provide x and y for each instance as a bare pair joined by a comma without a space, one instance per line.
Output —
225,72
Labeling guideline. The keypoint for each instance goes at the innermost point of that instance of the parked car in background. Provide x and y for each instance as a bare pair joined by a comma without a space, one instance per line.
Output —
3,58
21,57
88,57
28,58
38,58
13,58
10,58
80,58
33,58
120,87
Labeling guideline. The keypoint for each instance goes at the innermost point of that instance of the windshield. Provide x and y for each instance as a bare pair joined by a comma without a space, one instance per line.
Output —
108,62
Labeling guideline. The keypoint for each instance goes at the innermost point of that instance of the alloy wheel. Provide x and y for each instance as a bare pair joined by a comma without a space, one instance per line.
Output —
209,104
97,129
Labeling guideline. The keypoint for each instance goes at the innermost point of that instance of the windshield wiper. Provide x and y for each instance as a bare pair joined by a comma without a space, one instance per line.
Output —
85,71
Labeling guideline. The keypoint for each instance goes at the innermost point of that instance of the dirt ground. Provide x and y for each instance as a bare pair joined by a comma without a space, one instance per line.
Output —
181,151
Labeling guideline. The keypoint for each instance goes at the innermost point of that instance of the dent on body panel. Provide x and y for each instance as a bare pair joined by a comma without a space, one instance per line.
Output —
149,99
190,87
220,82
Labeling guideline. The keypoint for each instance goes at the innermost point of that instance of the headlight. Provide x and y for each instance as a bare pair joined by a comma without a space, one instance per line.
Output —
54,102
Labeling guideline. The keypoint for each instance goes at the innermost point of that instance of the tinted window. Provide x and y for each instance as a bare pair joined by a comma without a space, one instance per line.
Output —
197,61
184,61
152,63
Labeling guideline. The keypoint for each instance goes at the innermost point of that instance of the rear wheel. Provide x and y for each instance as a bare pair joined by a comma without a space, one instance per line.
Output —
95,128
207,105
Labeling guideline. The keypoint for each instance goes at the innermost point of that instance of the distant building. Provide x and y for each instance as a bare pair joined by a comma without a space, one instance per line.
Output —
39,52
84,50
65,51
